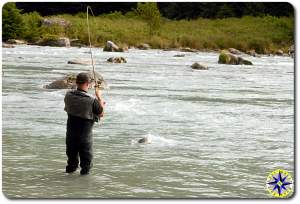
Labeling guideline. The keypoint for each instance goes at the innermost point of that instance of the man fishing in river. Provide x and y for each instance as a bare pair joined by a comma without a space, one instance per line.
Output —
83,110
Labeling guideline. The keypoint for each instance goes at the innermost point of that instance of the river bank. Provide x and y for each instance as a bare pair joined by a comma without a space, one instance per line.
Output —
264,35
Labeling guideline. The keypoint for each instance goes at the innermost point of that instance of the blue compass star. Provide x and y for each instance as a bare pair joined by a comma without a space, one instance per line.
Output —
279,183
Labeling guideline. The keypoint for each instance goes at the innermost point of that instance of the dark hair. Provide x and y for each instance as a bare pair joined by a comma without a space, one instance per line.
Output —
82,78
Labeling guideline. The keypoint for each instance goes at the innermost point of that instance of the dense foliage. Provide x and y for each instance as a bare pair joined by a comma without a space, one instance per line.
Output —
262,33
12,24
172,10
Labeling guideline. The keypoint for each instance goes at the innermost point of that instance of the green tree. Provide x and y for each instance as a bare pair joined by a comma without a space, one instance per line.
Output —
33,29
150,13
12,23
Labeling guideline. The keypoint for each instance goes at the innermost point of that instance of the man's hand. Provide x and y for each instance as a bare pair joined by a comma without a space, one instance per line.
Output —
98,94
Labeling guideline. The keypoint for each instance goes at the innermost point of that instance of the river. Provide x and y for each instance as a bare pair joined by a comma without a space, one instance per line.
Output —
215,133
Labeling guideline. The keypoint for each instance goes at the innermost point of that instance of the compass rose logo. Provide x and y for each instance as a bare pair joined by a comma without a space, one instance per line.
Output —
279,183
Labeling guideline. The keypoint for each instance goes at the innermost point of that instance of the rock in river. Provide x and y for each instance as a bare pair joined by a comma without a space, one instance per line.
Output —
69,81
117,60
199,66
227,58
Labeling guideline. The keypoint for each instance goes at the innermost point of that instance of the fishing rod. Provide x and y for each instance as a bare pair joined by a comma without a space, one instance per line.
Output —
89,34
91,53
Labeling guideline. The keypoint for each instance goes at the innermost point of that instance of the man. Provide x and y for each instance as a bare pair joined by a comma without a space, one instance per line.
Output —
83,110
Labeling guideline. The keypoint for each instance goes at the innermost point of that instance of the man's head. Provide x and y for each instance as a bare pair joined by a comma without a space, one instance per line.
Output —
83,81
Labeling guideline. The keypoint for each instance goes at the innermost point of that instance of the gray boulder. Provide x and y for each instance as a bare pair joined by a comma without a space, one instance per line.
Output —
116,60
59,42
199,66
179,55
69,81
227,58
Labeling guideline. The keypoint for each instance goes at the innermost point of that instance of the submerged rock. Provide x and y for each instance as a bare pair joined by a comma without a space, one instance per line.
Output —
199,66
117,60
69,81
83,62
145,140
227,58
179,55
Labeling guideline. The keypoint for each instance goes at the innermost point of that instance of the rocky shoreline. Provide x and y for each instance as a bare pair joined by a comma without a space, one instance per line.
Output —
113,47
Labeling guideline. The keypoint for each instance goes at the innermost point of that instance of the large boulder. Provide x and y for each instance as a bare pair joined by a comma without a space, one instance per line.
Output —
199,66
17,42
112,47
144,46
69,81
117,60
55,42
227,58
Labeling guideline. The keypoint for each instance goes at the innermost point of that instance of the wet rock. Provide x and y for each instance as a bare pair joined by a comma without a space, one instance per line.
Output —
76,43
227,58
199,66
179,55
80,61
69,81
234,51
279,52
291,51
117,60
17,42
55,42
252,53
145,140
112,47
7,45
187,49
144,46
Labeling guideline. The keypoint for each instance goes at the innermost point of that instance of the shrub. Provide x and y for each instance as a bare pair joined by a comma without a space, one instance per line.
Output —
12,23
